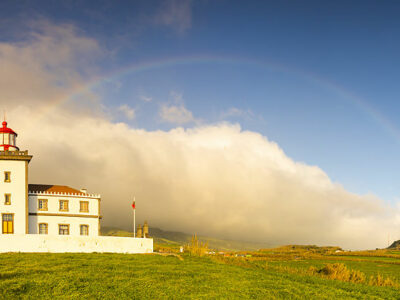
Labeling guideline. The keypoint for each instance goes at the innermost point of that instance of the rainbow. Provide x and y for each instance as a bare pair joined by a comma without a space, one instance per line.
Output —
169,62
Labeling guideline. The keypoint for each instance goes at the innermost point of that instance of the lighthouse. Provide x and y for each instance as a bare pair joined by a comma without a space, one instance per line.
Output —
48,217
13,184
7,138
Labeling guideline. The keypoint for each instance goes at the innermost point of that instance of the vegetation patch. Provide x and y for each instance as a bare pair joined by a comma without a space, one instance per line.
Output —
281,273
339,271
196,247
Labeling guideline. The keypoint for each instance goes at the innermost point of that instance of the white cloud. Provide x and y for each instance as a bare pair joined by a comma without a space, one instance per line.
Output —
174,111
235,112
215,180
176,14
127,111
47,66
176,114
145,98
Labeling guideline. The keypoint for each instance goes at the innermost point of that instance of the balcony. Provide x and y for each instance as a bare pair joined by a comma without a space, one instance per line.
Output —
14,153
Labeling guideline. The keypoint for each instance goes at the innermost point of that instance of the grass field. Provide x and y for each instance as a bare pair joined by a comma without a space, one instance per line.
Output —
274,274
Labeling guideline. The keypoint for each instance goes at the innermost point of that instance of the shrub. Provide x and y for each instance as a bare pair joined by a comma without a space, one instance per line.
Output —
340,272
357,276
379,280
335,271
196,247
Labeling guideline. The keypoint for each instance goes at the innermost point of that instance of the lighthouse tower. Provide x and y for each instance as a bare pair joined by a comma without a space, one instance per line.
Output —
7,139
13,184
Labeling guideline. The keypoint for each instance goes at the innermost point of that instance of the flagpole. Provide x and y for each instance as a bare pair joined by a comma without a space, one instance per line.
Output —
134,218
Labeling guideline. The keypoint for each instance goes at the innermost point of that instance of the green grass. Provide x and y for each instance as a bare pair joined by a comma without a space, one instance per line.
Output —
118,276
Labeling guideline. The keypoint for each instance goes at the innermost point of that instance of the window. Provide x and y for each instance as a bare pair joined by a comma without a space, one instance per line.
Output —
7,199
84,206
84,229
63,229
7,176
42,204
43,228
8,223
63,205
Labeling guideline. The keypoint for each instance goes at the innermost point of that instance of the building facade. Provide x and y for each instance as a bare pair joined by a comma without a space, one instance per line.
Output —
61,210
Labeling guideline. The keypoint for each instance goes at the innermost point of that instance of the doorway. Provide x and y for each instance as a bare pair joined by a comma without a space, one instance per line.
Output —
8,223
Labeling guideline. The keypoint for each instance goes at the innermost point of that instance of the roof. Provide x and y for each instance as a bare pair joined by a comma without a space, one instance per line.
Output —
5,129
47,188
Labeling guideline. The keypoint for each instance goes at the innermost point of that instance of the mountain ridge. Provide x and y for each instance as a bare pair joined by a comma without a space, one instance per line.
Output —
395,245
176,238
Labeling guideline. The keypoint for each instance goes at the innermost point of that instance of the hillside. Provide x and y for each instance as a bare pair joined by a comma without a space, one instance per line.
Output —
395,245
174,238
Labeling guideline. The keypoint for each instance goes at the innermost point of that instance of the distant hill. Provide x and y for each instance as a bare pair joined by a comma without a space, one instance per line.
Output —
395,245
174,238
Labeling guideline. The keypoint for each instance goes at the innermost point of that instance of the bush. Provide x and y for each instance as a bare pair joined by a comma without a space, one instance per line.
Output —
379,280
196,247
340,272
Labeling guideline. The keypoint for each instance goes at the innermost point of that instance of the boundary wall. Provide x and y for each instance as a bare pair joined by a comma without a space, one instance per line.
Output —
74,244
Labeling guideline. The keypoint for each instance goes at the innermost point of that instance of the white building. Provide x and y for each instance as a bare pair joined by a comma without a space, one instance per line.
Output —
61,210
50,218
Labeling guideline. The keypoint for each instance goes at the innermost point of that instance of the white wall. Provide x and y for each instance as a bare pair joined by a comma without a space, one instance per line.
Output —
63,244
73,222
53,204
18,193
62,216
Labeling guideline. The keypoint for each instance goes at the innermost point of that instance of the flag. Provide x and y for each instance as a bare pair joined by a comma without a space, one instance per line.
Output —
133,205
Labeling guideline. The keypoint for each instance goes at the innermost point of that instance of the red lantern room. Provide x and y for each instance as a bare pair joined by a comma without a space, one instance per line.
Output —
7,139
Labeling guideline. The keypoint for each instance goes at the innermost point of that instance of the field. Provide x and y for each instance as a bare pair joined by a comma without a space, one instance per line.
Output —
283,273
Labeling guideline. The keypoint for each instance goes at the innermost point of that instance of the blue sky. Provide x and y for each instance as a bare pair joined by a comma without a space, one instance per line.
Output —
317,77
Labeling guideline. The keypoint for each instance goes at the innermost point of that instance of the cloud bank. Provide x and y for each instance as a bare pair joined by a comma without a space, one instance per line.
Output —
216,180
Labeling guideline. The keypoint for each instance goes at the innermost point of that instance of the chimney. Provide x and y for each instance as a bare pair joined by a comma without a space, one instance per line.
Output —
145,229
83,191
139,231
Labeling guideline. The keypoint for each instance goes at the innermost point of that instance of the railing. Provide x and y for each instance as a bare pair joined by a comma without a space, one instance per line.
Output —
80,195
17,153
